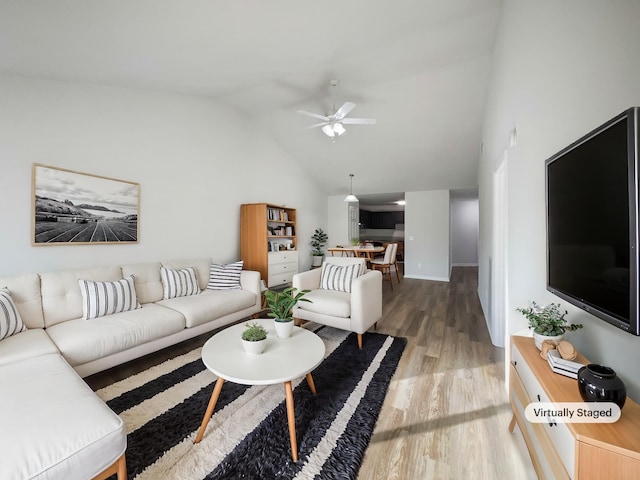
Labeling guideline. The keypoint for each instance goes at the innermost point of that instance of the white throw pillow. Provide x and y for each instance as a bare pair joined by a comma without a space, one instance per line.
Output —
179,283
10,320
105,298
337,277
225,277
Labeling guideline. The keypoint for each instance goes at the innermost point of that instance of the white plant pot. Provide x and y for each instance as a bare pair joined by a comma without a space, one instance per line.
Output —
254,348
283,329
316,260
538,339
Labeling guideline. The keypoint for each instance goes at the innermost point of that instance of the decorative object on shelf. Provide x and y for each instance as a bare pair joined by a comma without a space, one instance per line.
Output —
254,339
280,305
351,197
548,322
567,350
318,241
545,347
598,383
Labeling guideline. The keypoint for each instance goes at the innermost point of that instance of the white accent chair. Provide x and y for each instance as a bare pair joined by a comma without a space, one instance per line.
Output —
356,311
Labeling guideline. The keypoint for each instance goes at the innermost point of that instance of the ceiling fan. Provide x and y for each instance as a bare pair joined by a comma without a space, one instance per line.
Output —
333,125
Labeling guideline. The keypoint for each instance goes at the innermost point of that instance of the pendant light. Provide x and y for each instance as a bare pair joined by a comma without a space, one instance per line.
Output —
351,197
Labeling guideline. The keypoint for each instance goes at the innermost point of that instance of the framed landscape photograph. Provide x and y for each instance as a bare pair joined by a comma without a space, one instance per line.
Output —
79,208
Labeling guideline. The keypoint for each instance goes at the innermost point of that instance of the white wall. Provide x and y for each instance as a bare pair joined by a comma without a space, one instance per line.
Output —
196,162
338,221
560,69
426,238
464,231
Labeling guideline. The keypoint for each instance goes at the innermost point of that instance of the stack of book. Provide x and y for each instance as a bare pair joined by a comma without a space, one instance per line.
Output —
562,366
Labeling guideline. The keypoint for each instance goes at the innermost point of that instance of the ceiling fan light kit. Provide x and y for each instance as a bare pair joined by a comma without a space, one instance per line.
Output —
333,129
351,197
333,125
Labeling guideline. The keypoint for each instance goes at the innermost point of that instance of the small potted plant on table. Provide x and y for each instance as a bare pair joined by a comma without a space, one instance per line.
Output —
548,322
318,240
280,305
254,339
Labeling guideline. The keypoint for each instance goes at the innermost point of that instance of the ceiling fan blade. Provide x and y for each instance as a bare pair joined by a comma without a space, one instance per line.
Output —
321,124
359,121
314,115
345,109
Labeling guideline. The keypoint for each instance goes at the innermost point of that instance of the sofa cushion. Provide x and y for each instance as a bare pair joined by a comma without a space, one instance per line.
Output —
80,341
225,277
53,425
25,292
30,343
337,277
105,298
61,296
200,264
148,283
179,283
10,320
327,302
210,305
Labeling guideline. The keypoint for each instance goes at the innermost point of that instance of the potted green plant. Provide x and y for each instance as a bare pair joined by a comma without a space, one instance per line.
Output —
254,338
355,242
318,240
280,305
548,322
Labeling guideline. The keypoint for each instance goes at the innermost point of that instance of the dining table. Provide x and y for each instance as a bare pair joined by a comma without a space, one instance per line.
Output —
368,253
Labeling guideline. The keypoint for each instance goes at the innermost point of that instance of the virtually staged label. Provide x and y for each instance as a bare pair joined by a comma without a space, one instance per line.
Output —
572,412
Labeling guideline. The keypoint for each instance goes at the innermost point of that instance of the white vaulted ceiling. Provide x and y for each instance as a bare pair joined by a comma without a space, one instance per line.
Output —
420,67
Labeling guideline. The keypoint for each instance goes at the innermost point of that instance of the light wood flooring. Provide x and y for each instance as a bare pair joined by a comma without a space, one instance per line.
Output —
447,410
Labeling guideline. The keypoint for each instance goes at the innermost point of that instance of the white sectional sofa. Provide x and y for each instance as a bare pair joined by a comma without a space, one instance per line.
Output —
58,337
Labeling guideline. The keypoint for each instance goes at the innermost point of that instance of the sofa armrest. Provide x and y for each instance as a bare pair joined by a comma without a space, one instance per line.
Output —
366,301
250,281
309,280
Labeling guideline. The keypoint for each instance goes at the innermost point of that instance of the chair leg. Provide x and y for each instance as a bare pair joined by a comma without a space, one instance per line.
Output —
395,265
359,340
388,271
119,468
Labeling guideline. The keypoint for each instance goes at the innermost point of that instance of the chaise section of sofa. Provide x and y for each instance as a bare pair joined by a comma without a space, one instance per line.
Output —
53,425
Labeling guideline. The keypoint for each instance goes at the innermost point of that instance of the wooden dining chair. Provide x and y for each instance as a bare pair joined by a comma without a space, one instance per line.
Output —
384,265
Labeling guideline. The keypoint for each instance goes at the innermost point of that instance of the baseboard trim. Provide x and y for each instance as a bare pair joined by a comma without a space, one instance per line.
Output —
464,264
423,277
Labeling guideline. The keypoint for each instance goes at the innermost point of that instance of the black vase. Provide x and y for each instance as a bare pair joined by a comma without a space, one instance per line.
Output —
601,384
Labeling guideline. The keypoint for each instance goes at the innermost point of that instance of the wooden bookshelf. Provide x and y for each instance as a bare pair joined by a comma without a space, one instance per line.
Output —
268,242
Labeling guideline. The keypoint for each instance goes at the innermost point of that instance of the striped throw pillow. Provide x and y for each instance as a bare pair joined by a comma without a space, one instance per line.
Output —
105,298
337,277
179,283
10,320
225,277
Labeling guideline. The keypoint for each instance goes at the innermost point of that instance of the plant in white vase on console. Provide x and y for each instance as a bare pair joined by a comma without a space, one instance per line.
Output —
547,322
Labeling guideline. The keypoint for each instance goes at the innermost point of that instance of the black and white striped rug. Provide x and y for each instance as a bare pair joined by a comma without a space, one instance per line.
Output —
248,436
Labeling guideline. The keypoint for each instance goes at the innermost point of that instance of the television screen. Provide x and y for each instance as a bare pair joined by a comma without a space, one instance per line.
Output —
591,260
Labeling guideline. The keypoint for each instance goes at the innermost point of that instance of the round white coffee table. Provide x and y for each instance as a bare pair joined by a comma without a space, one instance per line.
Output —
283,360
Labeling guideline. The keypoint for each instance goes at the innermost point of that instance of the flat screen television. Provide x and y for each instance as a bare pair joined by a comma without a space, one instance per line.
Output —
592,222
